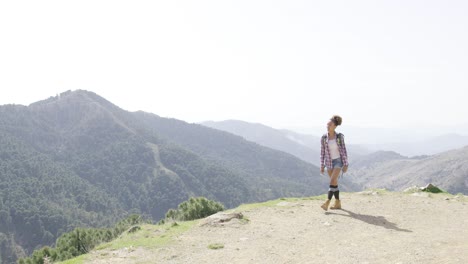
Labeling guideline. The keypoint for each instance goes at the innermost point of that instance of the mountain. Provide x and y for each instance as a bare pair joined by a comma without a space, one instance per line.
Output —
301,146
305,147
371,160
447,170
76,159
271,173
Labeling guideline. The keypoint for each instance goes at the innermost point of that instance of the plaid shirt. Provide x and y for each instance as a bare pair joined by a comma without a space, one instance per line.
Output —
325,158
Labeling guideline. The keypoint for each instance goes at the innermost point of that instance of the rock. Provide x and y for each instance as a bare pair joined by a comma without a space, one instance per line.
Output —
220,218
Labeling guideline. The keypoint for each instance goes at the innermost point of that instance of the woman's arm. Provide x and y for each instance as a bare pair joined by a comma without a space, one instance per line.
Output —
322,156
344,153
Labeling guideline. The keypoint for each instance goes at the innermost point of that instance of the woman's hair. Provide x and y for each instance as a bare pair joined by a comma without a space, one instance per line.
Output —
337,120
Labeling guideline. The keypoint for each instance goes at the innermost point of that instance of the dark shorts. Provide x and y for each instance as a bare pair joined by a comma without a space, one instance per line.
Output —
337,163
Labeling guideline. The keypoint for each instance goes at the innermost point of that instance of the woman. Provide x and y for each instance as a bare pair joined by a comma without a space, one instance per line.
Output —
335,158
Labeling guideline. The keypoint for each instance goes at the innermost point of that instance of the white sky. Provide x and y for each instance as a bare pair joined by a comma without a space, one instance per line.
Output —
280,63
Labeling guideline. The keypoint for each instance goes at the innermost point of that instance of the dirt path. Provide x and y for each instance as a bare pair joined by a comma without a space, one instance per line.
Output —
371,228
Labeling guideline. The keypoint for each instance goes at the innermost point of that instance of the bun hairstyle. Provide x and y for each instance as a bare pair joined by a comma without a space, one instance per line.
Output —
336,119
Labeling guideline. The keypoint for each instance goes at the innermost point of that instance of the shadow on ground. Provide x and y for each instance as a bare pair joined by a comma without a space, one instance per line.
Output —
370,219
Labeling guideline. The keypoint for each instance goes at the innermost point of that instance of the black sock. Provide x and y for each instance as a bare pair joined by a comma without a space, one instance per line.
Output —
331,191
337,193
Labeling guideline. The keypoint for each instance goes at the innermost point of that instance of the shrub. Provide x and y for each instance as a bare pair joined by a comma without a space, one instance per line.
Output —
194,208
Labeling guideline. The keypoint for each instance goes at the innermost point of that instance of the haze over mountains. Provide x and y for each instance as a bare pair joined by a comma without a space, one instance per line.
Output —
433,145
447,170
380,169
307,146
414,141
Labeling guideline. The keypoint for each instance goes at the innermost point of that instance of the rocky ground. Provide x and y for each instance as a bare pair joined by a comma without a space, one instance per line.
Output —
372,227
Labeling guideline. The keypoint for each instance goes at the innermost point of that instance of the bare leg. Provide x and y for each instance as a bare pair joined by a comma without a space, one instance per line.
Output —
335,173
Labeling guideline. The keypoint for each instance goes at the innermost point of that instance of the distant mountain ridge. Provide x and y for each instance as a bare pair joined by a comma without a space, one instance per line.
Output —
305,147
78,160
415,141
447,170
429,146
380,169
300,146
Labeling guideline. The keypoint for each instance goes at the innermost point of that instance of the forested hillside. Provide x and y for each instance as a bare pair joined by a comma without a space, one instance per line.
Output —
77,160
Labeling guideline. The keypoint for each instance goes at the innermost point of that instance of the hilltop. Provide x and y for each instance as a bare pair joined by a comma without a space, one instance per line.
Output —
374,226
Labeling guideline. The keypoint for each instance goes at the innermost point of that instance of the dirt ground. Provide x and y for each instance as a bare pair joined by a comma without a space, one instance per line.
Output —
372,227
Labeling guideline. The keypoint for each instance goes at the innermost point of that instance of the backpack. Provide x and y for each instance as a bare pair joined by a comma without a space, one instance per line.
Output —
339,138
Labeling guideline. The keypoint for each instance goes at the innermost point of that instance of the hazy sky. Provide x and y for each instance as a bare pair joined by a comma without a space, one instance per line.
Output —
281,63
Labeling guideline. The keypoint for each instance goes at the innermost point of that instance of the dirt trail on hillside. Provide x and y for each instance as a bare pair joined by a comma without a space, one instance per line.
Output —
372,228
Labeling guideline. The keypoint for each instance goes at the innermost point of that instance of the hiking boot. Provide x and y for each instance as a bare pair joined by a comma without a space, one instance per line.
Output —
337,205
325,205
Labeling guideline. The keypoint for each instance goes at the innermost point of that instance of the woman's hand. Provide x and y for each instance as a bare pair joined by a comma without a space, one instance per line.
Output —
345,168
322,170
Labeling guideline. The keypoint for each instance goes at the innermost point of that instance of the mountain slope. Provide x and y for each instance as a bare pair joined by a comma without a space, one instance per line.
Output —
276,139
447,170
40,199
373,227
271,173
305,147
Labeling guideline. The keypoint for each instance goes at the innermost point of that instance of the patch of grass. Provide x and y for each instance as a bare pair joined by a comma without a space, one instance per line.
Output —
216,246
150,236
461,197
244,220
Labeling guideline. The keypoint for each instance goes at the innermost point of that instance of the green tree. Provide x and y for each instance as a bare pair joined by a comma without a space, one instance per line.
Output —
194,208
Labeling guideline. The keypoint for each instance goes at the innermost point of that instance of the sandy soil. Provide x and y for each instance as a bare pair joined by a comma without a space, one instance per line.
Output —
372,227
